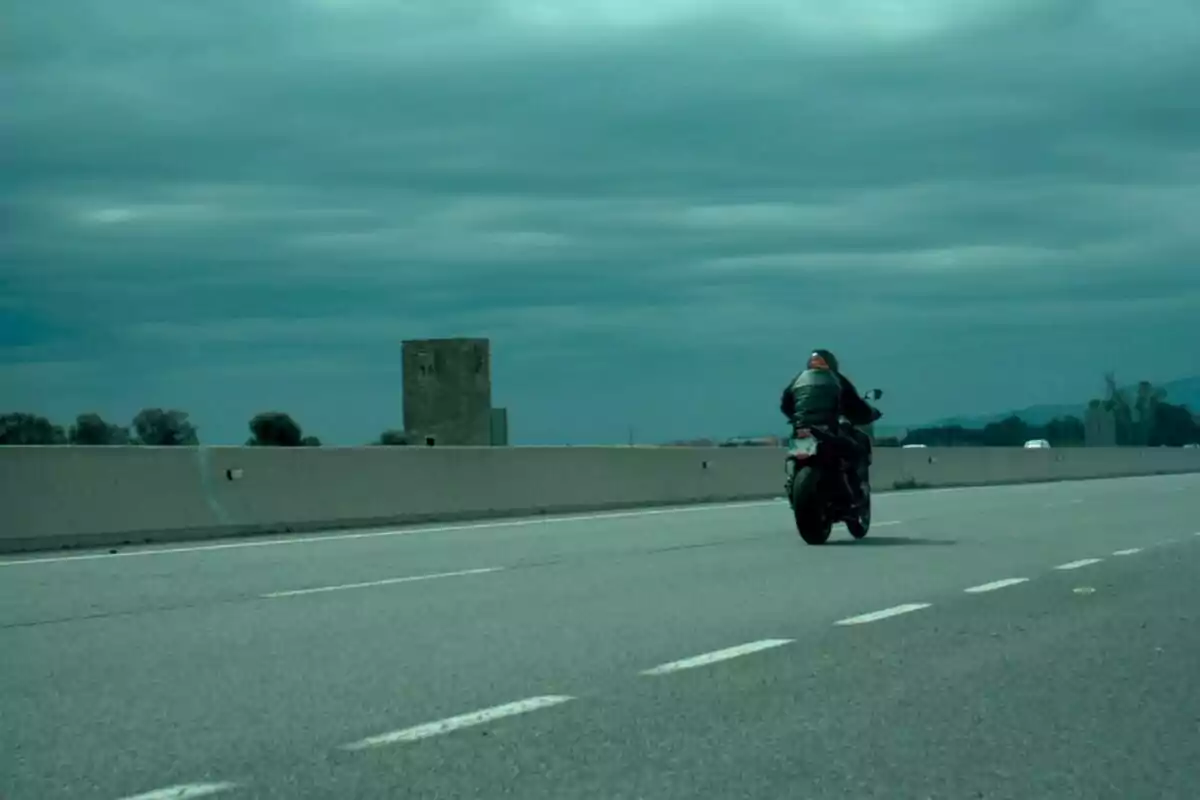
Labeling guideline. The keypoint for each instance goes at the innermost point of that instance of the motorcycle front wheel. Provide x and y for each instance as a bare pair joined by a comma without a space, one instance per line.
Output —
812,523
860,523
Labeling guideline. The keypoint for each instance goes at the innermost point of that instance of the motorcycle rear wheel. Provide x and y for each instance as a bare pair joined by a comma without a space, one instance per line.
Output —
812,524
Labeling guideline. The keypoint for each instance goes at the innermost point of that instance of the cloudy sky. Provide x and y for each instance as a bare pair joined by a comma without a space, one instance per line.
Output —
653,207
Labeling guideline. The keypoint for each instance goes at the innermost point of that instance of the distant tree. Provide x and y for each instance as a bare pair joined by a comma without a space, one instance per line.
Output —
394,438
29,429
1141,417
92,430
947,436
1064,432
1116,401
1145,407
156,427
1008,432
275,429
1146,419
1173,426
310,441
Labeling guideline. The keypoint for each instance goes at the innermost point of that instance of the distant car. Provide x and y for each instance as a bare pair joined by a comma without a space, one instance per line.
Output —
914,446
1191,446
1037,444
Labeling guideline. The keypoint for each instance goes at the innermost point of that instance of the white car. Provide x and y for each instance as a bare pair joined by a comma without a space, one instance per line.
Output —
1037,444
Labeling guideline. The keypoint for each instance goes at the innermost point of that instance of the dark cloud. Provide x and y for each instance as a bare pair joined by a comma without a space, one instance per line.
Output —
650,206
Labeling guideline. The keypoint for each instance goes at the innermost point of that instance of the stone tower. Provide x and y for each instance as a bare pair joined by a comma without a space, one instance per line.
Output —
448,392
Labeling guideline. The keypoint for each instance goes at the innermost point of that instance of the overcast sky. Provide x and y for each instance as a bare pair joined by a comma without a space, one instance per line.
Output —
653,207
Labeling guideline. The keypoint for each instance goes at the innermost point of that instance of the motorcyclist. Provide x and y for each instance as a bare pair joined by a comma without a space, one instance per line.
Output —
820,396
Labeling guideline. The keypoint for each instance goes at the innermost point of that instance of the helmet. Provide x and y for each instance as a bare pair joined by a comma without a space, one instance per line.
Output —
823,359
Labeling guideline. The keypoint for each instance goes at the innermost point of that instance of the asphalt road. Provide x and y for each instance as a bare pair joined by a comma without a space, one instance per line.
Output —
695,653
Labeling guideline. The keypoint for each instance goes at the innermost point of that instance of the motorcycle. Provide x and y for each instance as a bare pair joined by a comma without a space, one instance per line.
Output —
818,487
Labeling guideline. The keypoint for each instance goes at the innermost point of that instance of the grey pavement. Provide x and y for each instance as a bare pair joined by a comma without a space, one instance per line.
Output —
122,674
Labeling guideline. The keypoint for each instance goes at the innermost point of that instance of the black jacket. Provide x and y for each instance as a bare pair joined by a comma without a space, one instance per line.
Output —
820,397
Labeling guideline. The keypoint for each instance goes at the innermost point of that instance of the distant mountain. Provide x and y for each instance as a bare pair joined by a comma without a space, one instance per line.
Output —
1185,391
773,439
1181,392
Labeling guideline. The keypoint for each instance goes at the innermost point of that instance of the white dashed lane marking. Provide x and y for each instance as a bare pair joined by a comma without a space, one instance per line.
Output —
1128,552
994,585
457,723
875,616
384,582
1083,562
185,791
717,655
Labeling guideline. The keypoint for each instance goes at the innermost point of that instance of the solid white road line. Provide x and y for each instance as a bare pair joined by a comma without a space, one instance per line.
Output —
384,582
153,550
875,616
1128,552
456,723
1083,562
184,791
717,655
350,536
994,585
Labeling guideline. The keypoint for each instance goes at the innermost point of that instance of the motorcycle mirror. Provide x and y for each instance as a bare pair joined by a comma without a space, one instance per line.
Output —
875,394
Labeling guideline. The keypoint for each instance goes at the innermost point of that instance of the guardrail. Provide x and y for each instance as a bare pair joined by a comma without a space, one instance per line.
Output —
54,497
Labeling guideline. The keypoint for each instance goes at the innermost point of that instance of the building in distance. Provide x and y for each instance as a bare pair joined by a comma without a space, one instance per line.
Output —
448,393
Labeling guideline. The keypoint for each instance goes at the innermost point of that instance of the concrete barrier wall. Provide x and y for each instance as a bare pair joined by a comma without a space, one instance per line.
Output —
74,496
978,466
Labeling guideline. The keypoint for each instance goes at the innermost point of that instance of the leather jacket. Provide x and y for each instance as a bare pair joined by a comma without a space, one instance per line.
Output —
820,397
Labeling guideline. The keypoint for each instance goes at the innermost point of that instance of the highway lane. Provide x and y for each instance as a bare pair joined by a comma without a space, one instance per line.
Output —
1074,685
165,577
118,686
